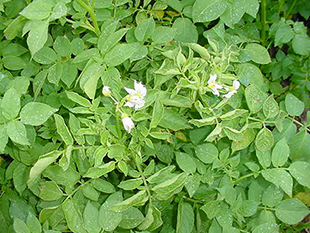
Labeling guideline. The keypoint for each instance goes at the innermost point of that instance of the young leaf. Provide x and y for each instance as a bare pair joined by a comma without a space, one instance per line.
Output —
138,199
144,29
272,196
152,220
20,227
258,53
268,227
33,223
103,186
96,172
255,98
39,9
50,191
78,99
89,192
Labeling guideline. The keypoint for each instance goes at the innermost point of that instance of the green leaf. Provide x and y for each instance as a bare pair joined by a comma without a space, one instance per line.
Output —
112,40
152,220
186,218
131,218
293,105
299,144
145,29
108,219
73,216
264,140
284,34
171,185
207,152
62,46
255,98
86,55
301,44
43,162
161,175
3,138
192,184
280,153
185,162
272,196
137,199
20,176
291,211
56,173
37,37
90,216
118,54
248,136
158,112
270,107
258,53
186,31
63,130
248,208
173,121
268,227
279,178
17,132
35,113
206,11
20,227
33,223
162,35
89,192
300,171
96,172
130,184
45,56
39,9
10,104
89,79
49,191
13,63
75,97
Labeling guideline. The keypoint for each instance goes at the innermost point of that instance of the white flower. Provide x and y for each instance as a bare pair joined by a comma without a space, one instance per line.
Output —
128,124
235,87
106,91
136,96
213,85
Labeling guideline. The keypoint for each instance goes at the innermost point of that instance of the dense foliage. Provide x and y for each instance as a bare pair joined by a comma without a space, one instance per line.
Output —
186,116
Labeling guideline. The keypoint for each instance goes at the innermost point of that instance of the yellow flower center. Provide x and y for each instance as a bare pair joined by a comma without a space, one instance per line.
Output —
211,84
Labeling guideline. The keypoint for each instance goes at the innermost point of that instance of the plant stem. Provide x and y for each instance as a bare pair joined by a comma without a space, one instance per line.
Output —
298,123
75,190
290,9
144,180
244,177
263,21
92,14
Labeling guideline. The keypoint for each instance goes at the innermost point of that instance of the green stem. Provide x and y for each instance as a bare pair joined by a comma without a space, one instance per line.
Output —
144,181
298,123
92,14
77,189
290,9
263,21
118,125
244,177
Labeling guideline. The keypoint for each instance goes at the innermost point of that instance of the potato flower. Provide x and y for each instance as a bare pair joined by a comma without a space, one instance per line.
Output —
136,96
233,89
213,85
128,123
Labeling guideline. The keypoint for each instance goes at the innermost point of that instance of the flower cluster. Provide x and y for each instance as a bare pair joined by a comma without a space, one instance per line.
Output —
215,87
135,100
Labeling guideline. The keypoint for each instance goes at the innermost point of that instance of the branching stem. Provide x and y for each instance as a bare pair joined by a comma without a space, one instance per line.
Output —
92,14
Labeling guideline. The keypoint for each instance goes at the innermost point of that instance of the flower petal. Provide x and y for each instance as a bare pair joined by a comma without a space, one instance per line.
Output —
130,91
236,84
